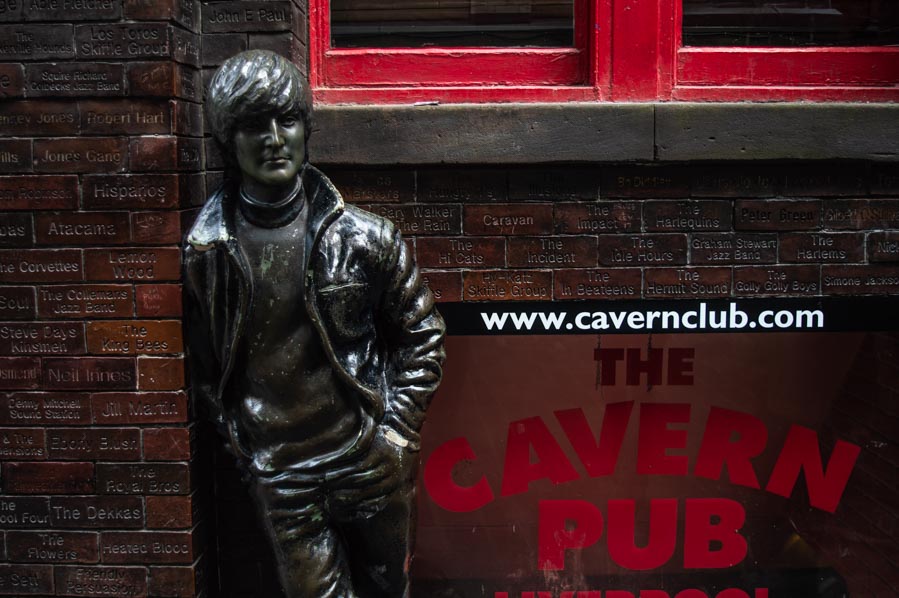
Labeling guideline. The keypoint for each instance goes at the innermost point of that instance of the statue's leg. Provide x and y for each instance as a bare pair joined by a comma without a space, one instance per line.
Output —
312,561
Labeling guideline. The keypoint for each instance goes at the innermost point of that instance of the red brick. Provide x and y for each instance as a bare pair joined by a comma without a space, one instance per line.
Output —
39,117
45,409
48,478
185,12
33,192
430,219
446,286
373,186
96,512
187,118
771,281
461,252
82,228
170,512
218,47
89,300
884,179
556,184
12,81
736,181
125,117
132,41
777,214
596,217
177,582
53,547
508,219
165,153
156,228
40,265
607,283
80,154
24,512
105,444
161,79
132,337
143,478
47,42
147,547
167,444
643,250
822,247
733,248
470,186
826,180
89,373
32,338
645,182
244,16
882,247
20,373
687,216
75,79
698,283
16,230
507,285
552,252
133,264
20,580
158,300
141,191
17,303
96,582
113,408
23,444
15,155
55,11
860,280
160,373
860,214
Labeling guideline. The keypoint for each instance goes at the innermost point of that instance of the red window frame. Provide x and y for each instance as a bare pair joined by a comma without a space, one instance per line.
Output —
637,56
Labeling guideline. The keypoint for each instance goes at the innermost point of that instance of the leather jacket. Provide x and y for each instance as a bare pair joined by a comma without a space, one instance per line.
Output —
363,294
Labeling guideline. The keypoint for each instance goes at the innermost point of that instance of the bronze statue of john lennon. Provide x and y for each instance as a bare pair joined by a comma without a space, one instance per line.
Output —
312,342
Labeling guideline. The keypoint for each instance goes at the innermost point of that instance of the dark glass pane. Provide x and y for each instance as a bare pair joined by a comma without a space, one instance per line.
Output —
791,22
453,23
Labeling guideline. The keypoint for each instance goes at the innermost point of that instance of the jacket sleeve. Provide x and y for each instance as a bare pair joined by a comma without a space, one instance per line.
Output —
414,332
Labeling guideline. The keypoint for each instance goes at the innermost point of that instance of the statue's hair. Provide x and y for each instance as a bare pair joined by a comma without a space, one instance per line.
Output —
252,84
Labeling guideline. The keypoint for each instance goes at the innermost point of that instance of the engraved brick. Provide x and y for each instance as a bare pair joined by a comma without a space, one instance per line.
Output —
508,219
860,214
24,512
40,265
12,81
38,117
96,512
131,191
158,300
607,283
100,373
46,409
825,180
53,547
16,229
93,300
446,286
882,247
218,47
19,580
247,15
73,10
138,41
644,250
185,12
737,181
151,228
733,248
552,252
15,155
48,478
860,280
822,247
645,182
74,79
467,186
185,47
557,184
111,444
884,178
429,219
46,338
139,408
23,444
507,285
19,373
130,337
777,214
165,153
36,42
687,216
17,303
130,117
170,512
88,154
160,373
374,186
51,192
187,118
167,444
147,547
100,582
177,582
698,283
771,281
461,252
134,264
143,478
82,228
596,217
162,79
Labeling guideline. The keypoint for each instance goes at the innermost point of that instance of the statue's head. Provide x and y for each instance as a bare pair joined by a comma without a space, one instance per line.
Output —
259,110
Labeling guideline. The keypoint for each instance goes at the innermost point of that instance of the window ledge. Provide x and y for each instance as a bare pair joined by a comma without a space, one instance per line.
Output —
603,132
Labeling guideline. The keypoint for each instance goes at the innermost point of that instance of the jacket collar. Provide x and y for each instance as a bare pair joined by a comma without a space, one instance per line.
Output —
215,222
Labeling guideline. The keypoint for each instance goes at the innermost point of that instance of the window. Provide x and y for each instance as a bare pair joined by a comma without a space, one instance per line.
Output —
374,51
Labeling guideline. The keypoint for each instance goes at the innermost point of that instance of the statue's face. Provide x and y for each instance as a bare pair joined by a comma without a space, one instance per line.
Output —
271,150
